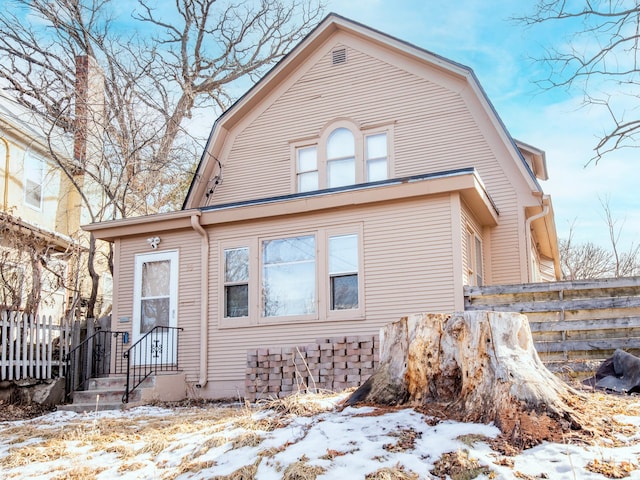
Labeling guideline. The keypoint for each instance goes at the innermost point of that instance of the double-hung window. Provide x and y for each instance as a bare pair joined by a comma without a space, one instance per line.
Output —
236,282
307,168
376,157
343,272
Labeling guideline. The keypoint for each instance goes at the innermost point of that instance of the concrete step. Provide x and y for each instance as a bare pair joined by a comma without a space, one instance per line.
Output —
87,407
104,395
107,383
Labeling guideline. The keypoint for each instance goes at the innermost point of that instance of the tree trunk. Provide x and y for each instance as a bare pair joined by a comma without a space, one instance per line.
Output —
476,366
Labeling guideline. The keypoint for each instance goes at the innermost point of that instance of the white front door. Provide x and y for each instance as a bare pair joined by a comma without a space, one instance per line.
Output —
155,300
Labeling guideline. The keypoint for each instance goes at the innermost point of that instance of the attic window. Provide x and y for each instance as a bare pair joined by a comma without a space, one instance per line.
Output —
339,56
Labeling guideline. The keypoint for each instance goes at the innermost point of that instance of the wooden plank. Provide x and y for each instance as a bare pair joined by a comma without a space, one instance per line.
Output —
586,345
24,351
49,344
12,347
38,340
559,305
470,291
575,325
32,347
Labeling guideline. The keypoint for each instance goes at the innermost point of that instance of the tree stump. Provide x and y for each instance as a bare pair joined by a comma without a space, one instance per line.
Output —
476,366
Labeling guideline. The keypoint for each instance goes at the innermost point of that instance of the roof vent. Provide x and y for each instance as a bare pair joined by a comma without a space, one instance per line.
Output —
339,56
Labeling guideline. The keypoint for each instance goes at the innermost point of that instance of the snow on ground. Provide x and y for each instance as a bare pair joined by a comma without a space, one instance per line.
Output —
238,442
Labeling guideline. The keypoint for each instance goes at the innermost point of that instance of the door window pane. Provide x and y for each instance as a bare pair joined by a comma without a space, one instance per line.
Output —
155,278
155,312
155,295
289,276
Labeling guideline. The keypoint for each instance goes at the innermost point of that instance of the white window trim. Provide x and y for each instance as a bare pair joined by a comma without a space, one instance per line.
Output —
359,134
472,257
347,314
251,318
323,288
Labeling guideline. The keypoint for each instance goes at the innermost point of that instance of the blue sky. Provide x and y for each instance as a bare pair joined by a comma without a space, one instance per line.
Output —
480,35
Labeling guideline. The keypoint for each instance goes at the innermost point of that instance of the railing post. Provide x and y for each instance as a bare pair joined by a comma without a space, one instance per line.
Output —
125,397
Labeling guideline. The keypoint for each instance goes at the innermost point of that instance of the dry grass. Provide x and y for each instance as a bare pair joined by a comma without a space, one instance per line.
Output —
459,466
79,473
131,467
396,473
247,426
189,466
36,453
301,470
406,440
611,468
472,438
248,472
300,404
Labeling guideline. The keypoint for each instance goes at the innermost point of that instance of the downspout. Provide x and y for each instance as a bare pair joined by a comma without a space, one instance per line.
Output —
204,299
5,200
530,220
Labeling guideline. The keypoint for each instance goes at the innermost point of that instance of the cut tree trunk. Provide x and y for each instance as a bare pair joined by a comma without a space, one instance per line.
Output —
476,366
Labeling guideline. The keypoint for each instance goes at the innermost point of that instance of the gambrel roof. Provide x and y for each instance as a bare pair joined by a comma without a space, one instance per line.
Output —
297,60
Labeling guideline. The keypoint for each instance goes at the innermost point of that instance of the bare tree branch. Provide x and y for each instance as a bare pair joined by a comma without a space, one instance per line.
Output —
181,58
601,55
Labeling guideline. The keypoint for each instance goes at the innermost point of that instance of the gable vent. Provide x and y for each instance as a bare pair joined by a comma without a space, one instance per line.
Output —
339,56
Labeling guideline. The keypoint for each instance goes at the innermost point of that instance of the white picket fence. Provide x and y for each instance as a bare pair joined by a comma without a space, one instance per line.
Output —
32,346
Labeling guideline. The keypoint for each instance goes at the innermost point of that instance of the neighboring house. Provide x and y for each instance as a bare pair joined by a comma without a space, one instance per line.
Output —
362,179
38,220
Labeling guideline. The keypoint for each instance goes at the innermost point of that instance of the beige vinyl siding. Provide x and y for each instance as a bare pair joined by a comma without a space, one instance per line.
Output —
435,129
187,243
407,264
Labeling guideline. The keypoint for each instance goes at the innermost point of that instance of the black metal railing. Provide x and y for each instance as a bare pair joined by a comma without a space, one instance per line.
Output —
92,358
156,351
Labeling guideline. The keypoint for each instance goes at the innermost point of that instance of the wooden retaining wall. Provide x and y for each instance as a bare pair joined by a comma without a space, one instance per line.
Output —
571,320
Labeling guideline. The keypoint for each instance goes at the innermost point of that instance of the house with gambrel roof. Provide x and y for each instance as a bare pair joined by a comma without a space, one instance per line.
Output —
361,179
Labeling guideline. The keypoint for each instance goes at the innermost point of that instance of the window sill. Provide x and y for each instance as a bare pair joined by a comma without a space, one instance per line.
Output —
248,322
